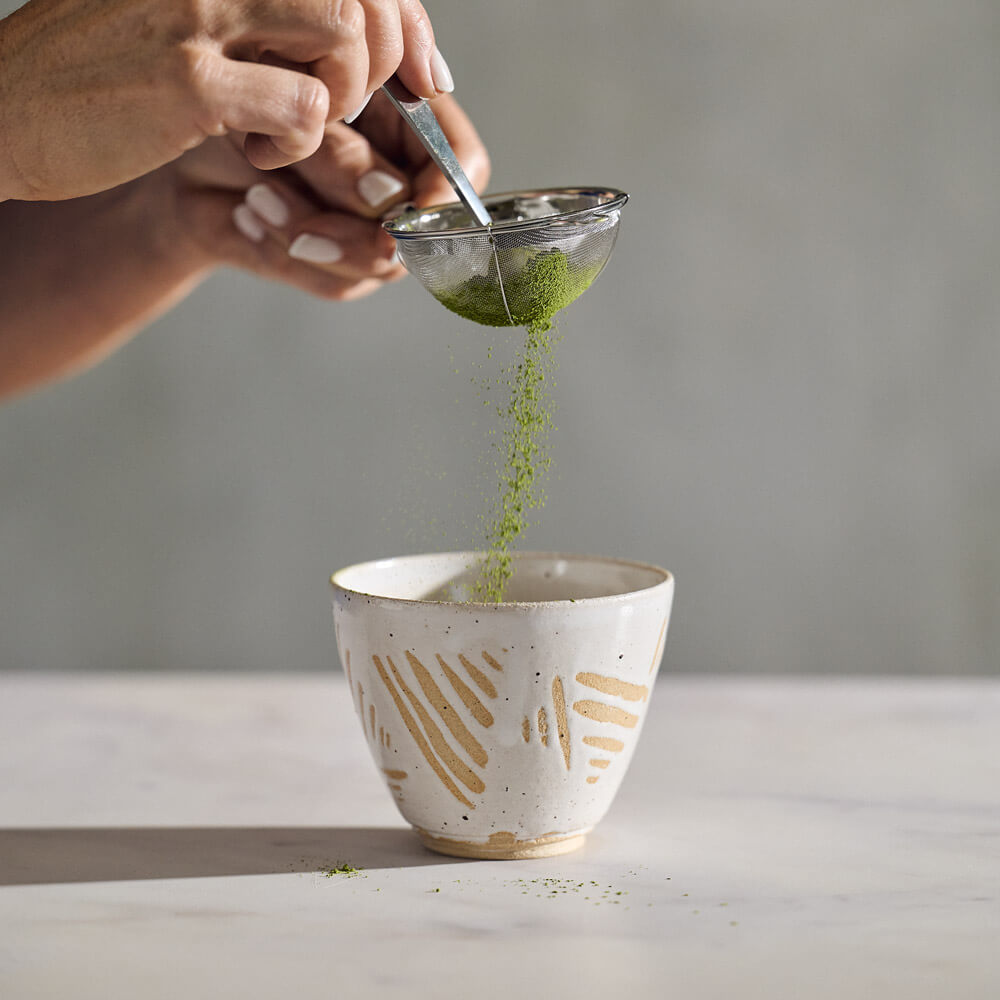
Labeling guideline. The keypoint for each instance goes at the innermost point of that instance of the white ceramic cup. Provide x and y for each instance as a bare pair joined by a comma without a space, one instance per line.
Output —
502,730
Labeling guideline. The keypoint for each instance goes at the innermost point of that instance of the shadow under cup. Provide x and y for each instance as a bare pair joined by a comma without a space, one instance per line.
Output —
502,730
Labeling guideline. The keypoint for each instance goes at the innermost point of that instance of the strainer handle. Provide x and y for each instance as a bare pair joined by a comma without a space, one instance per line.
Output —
423,121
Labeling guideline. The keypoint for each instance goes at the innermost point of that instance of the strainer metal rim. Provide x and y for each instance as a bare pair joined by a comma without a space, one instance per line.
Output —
616,199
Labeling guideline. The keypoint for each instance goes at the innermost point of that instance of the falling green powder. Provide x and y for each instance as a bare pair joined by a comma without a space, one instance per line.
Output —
534,294
527,421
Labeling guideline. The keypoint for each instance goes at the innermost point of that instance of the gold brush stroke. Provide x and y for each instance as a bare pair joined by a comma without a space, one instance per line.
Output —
482,681
418,736
493,663
381,736
446,710
395,775
361,705
659,644
600,712
388,741
543,726
454,763
599,761
526,729
593,779
614,686
396,788
468,696
562,722
371,717
501,845
347,670
604,743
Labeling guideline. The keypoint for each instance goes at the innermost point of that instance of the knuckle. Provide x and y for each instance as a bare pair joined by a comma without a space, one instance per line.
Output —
417,37
184,19
347,20
351,155
197,74
198,70
309,103
416,23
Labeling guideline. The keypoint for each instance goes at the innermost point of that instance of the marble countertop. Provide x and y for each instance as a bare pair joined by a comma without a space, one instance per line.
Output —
163,836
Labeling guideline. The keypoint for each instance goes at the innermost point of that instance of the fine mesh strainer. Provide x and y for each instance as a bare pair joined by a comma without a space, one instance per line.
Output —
540,252
513,259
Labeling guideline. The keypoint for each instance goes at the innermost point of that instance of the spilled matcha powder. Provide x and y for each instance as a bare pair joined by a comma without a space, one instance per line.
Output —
534,294
342,868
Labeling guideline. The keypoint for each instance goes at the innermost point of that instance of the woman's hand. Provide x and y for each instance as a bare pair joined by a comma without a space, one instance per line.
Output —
315,225
81,276
98,92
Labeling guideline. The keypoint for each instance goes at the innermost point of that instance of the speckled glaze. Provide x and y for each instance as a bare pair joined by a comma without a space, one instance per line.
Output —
502,730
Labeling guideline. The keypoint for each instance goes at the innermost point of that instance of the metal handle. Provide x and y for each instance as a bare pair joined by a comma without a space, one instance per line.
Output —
423,121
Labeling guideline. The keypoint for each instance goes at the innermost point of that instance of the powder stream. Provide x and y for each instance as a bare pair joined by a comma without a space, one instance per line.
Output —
534,293
527,422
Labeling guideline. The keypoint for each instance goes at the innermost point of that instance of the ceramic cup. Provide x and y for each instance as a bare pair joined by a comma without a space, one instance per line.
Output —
502,730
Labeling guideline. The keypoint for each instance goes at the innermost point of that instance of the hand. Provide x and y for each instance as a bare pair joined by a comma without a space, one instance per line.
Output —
315,225
98,92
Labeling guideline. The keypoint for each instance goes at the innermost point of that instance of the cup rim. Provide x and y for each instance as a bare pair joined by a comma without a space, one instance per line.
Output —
667,579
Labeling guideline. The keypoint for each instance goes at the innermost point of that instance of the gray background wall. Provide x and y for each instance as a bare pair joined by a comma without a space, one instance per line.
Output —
784,387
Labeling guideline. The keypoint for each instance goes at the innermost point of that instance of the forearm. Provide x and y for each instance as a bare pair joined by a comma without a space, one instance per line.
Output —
79,277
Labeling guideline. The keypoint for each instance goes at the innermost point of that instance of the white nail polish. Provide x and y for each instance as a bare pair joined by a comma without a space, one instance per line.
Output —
377,187
364,104
315,249
440,73
248,224
267,204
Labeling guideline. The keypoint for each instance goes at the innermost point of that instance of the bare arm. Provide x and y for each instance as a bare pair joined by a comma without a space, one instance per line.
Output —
79,277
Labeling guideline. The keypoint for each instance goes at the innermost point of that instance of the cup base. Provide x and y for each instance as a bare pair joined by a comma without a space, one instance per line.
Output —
504,846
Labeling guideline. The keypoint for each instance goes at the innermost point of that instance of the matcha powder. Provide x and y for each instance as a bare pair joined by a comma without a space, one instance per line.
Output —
526,422
543,286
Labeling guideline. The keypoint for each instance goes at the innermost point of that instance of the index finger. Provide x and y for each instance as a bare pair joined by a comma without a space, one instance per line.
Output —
347,173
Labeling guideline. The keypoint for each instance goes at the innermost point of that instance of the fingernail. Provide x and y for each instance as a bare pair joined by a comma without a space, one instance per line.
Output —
377,187
247,223
315,249
364,104
440,73
267,205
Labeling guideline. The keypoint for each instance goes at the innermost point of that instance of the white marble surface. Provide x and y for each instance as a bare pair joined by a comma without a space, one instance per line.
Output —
160,835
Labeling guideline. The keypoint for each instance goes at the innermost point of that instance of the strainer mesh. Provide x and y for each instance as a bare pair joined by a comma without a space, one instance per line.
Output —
543,251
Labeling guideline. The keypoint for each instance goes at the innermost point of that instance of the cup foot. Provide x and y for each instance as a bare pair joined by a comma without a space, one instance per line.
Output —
504,846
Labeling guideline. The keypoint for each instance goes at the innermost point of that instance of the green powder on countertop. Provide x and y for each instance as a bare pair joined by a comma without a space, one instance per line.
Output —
343,868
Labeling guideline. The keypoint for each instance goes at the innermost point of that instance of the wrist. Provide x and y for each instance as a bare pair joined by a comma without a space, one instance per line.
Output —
155,206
